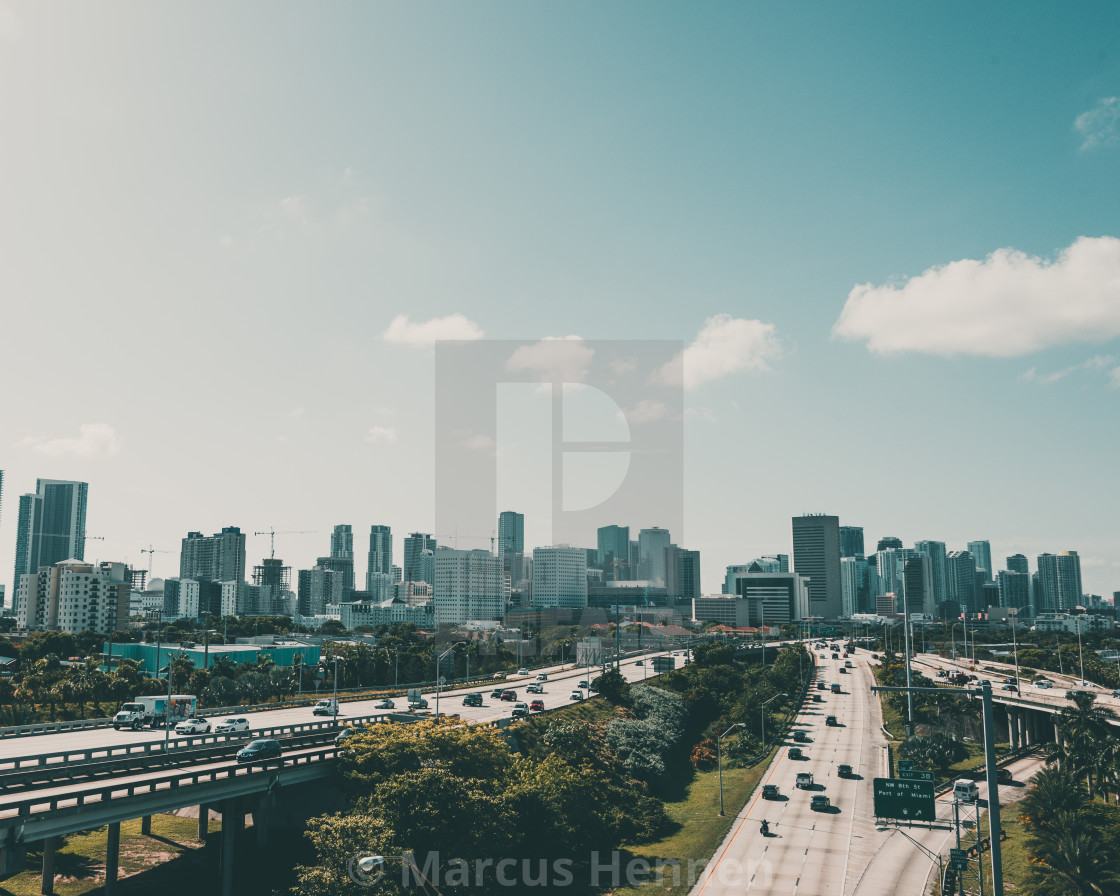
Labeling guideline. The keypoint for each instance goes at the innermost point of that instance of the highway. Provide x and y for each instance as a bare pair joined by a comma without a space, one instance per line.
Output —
842,850
557,692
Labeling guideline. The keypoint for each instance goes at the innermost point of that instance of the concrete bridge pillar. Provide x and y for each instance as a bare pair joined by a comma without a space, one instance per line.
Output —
1057,731
203,821
1024,733
260,820
50,846
146,825
1013,728
233,820
112,857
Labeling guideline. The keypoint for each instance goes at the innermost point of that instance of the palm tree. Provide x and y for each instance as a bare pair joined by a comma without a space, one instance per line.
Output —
1085,734
1055,792
1071,859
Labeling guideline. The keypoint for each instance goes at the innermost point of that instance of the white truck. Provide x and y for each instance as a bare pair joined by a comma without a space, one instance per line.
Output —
155,712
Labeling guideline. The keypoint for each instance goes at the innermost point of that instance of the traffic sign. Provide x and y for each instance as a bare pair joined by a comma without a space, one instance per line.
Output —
915,774
910,800
958,859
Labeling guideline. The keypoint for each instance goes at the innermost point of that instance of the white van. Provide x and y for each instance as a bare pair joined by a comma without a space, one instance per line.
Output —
966,791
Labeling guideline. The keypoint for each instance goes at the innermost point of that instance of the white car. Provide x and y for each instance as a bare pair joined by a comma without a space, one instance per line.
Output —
575,695
231,726
384,704
522,671
193,726
535,688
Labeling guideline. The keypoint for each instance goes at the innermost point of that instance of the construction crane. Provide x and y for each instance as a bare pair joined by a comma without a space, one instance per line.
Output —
455,539
150,550
272,533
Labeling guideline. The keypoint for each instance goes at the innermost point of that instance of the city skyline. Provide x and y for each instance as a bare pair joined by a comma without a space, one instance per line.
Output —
845,235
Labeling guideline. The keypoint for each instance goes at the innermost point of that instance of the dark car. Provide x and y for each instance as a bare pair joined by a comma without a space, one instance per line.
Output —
821,686
819,803
800,737
795,753
817,698
770,792
259,750
496,694
831,721
1003,776
472,700
844,771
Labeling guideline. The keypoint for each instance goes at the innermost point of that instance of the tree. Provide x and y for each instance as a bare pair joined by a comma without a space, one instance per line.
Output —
936,751
613,687
713,653
1086,738
1072,859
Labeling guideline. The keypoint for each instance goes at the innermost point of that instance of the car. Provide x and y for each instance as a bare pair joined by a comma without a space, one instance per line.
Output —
941,673
534,688
874,656
836,656
835,688
1044,684
1004,776
585,684
259,751
499,676
823,657
821,686
795,753
640,663
844,770
771,792
325,708
820,803
848,664
831,722
522,671
800,737
472,700
1084,684
804,781
843,671
496,694
1116,693
817,698
193,726
575,695
966,791
542,676
1008,687
973,678
536,706
1007,681
846,656
385,704
507,694
417,703
347,731
231,726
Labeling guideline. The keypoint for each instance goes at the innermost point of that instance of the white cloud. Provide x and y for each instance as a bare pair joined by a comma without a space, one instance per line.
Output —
648,410
1114,378
1097,362
563,359
1007,305
381,434
94,440
724,346
623,366
424,335
1100,126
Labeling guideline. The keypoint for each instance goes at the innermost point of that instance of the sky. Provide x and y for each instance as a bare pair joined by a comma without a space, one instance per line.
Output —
886,236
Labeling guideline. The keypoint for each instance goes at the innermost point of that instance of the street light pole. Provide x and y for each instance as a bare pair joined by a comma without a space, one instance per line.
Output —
1081,656
439,660
719,759
762,716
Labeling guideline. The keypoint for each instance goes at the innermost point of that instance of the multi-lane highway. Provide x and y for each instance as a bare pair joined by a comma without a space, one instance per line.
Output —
840,850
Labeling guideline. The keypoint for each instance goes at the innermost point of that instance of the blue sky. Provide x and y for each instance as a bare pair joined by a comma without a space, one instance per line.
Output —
212,215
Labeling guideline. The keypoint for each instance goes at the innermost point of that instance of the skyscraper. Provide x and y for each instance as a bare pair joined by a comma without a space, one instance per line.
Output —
935,550
1059,578
854,588
816,554
1019,563
380,559
51,526
651,551
888,541
851,541
614,553
917,586
682,574
982,556
217,558
961,570
419,548
559,576
1014,589
469,586
511,533
342,555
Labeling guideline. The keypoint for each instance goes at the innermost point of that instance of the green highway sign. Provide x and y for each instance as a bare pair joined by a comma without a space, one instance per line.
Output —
899,798
958,859
906,765
915,774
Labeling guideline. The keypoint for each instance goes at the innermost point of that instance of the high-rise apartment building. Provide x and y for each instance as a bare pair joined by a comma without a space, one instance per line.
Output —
917,586
1059,578
1019,563
851,541
888,541
935,550
774,598
816,555
217,558
614,553
559,576
51,526
961,573
1014,589
419,548
982,556
379,566
890,564
469,587
74,596
316,588
277,578
855,594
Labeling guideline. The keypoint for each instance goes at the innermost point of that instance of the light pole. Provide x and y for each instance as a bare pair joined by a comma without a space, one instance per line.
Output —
762,716
1015,643
396,665
439,660
719,759
1080,655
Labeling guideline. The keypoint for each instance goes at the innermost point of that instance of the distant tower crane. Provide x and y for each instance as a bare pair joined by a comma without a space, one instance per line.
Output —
150,550
272,533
